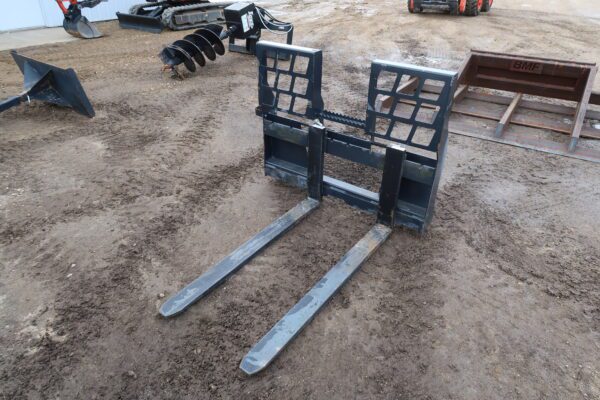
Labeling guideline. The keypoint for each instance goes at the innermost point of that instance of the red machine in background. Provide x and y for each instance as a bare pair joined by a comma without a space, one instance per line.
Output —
470,8
75,23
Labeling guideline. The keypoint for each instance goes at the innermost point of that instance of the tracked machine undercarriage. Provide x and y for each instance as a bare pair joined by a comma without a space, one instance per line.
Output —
154,16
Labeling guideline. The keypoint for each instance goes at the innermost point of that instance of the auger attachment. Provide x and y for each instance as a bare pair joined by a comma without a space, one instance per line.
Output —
202,44
244,21
50,84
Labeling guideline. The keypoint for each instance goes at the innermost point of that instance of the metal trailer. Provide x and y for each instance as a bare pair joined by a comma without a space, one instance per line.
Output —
296,141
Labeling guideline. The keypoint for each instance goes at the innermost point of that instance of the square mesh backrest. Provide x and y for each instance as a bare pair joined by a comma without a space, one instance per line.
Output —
289,79
411,117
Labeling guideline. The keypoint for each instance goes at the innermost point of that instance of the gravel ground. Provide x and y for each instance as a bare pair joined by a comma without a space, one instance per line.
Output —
100,218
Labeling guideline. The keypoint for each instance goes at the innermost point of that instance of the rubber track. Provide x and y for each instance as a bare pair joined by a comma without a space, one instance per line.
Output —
486,6
168,16
137,7
471,8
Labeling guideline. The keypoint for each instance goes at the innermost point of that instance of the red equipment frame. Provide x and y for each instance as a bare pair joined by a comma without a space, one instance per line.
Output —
61,4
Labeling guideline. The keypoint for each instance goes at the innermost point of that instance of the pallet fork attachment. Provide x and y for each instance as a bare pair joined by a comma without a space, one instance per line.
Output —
296,142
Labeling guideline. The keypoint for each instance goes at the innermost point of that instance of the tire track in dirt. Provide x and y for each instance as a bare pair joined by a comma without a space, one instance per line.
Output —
142,158
123,141
379,336
542,261
85,307
557,260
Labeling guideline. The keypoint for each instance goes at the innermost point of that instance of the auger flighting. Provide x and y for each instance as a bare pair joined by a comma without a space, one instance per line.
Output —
244,21
202,44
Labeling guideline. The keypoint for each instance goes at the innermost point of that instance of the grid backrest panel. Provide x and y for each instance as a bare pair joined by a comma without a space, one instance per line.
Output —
413,117
289,79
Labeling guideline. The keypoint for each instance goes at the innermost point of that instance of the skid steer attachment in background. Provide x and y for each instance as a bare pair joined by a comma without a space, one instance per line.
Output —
567,83
140,22
408,147
557,79
50,84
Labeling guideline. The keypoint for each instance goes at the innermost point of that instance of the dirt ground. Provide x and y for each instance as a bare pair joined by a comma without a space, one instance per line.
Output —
102,217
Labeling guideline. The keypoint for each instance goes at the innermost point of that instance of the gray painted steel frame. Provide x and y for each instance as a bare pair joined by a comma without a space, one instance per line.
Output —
294,154
295,147
285,130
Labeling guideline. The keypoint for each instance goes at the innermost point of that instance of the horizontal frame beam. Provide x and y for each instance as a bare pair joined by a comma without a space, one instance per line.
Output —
519,140
586,132
526,104
356,152
406,214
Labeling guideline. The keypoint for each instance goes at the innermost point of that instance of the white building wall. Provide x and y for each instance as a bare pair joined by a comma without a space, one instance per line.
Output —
21,14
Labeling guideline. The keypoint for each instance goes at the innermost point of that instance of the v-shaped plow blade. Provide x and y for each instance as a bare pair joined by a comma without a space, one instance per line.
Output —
50,84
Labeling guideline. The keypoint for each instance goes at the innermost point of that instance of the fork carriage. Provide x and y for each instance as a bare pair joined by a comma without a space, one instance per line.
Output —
407,142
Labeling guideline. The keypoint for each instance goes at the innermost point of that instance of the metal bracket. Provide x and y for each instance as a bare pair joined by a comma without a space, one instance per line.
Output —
316,160
250,46
395,156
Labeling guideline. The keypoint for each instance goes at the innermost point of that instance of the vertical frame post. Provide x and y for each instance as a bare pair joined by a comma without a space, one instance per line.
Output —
581,109
508,114
395,155
270,91
316,160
